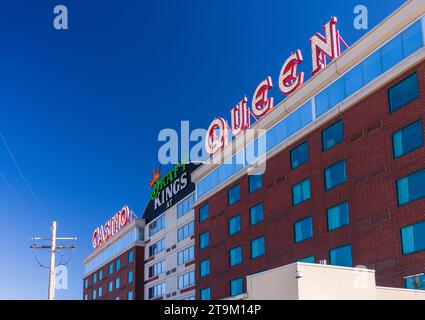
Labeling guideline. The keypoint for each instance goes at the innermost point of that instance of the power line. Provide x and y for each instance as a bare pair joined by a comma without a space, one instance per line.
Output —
12,157
18,198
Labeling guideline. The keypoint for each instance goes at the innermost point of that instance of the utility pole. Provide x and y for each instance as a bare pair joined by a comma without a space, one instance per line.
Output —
53,247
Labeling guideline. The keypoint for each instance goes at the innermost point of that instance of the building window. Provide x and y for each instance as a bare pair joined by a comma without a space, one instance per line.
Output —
117,264
117,283
235,256
408,139
204,268
205,294
255,182
117,298
130,277
157,247
100,275
309,259
299,155
186,255
110,286
301,192
258,248
94,278
256,214
416,282
203,213
189,298
157,225
335,175
186,280
111,268
236,287
185,206
234,224
94,294
130,256
341,256
413,238
156,291
156,269
86,283
303,230
100,292
204,240
411,188
233,195
130,295
338,216
186,231
403,92
333,135
86,297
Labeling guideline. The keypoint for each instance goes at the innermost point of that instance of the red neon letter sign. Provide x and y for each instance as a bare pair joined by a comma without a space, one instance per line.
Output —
240,117
261,104
328,46
289,81
213,143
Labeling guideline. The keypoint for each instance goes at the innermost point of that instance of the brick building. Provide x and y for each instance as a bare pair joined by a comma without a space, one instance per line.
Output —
345,173
115,271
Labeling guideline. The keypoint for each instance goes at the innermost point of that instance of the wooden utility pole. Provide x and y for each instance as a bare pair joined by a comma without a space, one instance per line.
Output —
53,247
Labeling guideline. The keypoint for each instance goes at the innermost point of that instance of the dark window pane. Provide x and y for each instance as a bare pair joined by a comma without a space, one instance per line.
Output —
303,230
411,188
332,135
335,175
341,256
403,93
413,238
408,139
299,155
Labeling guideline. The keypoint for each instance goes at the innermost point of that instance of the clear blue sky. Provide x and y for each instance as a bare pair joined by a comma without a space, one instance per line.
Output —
81,109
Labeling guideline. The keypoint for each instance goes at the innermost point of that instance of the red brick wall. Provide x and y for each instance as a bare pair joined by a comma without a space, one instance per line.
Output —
137,266
375,218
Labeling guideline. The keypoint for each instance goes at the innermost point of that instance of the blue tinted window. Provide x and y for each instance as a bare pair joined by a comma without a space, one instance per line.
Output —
235,256
403,92
353,80
338,216
299,155
335,175
111,268
204,267
412,38
413,238
255,182
258,247
336,92
332,135
309,259
203,213
392,53
117,264
416,282
236,287
130,256
234,225
130,277
408,139
205,294
411,188
233,195
130,295
372,67
322,102
303,230
256,214
341,256
204,240
301,192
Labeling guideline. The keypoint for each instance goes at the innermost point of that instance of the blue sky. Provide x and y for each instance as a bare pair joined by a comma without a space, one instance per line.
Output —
81,109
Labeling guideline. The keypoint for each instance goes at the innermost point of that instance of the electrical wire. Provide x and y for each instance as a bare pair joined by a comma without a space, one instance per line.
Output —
12,157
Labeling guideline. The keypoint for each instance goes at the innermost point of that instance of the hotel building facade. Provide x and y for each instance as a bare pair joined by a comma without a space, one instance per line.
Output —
344,183
169,255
